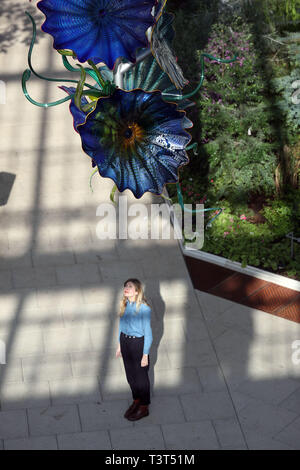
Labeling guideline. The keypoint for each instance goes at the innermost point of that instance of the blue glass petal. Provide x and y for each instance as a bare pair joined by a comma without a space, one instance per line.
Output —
101,30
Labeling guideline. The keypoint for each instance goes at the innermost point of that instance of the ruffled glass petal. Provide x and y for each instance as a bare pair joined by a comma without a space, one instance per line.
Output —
135,138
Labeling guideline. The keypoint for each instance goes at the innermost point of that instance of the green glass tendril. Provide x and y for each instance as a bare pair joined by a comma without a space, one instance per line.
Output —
193,146
69,67
30,54
27,73
193,211
94,172
25,78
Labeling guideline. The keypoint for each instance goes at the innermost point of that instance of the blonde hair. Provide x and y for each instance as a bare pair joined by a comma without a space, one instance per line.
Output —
140,298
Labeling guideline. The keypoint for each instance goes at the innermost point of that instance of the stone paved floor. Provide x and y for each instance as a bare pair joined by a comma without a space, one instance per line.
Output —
222,375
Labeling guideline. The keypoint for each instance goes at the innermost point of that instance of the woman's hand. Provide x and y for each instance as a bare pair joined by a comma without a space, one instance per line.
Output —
144,361
118,352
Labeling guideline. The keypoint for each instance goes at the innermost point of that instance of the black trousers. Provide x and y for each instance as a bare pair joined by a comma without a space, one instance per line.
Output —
137,376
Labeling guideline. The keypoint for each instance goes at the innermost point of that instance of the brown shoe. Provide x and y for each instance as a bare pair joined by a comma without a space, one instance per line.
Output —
139,412
132,407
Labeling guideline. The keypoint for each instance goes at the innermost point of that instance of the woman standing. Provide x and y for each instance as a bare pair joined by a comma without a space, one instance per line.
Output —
135,339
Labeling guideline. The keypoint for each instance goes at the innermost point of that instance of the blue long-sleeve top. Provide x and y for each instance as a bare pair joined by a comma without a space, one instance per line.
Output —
137,324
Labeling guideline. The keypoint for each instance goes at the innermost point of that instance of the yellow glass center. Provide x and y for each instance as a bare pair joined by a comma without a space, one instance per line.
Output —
133,133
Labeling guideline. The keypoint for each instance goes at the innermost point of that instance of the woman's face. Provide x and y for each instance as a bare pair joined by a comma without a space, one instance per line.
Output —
129,290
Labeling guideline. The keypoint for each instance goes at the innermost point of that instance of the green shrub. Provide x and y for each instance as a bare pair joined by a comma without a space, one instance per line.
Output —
242,121
279,216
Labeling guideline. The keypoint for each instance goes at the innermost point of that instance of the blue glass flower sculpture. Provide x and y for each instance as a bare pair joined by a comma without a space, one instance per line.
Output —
98,30
135,138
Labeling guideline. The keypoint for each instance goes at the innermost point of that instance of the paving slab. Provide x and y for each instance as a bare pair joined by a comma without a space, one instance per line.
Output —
22,342
138,438
176,381
50,420
191,436
229,432
46,367
12,371
22,395
107,414
31,443
211,378
164,410
94,440
115,386
207,405
290,435
267,420
195,353
271,391
74,390
13,424
66,340
292,402
96,363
